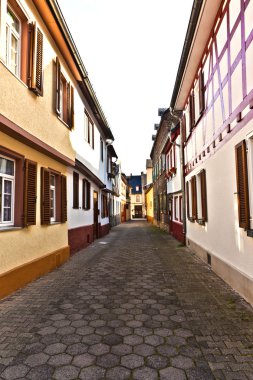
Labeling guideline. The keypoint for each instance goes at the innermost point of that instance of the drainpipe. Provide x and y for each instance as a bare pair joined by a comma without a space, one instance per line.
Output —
179,119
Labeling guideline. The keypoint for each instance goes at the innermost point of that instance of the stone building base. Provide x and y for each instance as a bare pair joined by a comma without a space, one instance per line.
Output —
239,281
18,277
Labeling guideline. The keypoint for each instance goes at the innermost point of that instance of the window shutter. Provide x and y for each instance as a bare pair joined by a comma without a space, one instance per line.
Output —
183,129
45,196
192,111
203,195
201,93
84,194
63,198
70,105
194,197
30,193
35,77
187,200
75,190
58,85
242,185
88,195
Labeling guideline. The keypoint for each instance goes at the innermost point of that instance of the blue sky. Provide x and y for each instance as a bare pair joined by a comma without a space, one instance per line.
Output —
131,50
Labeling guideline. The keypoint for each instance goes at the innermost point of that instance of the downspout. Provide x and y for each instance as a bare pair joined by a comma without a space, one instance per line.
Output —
179,119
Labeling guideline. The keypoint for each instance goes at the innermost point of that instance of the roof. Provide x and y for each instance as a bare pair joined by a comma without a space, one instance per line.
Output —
203,16
135,180
53,18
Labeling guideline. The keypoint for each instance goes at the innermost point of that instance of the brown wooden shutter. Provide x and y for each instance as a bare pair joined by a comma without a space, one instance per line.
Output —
183,129
242,184
194,197
75,190
63,198
88,195
201,93
192,111
203,195
58,87
187,200
84,194
45,196
71,106
30,193
35,71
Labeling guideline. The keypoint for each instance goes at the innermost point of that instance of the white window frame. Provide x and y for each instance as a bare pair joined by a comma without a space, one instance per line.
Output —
9,33
53,188
190,197
7,177
176,208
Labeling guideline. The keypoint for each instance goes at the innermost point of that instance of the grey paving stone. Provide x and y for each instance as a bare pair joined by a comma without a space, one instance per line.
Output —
112,339
67,372
15,372
181,361
118,373
132,361
121,349
133,340
157,361
145,373
108,361
144,349
60,360
55,348
167,350
84,360
99,349
43,372
37,359
92,373
172,373
154,340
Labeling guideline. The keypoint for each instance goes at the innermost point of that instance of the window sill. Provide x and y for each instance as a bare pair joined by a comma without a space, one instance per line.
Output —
250,233
10,228
201,222
16,76
63,122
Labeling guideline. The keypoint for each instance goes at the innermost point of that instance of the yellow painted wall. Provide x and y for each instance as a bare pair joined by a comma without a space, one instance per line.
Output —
150,204
23,245
35,114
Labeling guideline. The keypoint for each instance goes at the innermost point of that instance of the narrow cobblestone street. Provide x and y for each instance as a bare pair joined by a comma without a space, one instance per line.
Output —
134,305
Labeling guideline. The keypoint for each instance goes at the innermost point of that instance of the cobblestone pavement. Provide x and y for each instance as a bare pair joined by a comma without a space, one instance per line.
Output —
134,305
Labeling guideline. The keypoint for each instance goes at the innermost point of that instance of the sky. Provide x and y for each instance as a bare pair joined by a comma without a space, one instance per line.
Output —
131,50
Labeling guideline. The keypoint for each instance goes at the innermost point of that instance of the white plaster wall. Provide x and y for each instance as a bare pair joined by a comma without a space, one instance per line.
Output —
221,235
79,217
174,184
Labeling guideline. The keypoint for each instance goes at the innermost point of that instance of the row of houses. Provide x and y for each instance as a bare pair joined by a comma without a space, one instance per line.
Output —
202,155
61,185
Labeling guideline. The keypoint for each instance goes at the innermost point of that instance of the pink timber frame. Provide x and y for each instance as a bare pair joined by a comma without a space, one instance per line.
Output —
225,132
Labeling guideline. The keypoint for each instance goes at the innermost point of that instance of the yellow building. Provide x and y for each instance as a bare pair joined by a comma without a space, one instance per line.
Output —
38,77
149,203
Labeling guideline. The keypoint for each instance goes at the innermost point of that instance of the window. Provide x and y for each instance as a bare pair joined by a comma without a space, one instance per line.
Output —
75,190
86,194
13,42
21,38
7,169
64,97
176,208
88,129
137,188
138,198
181,209
53,197
191,194
201,199
196,198
104,206
109,163
18,180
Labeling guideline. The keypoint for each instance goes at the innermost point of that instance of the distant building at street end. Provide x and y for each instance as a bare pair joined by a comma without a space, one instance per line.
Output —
137,196
148,190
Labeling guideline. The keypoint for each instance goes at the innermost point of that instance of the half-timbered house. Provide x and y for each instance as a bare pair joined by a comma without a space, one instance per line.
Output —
214,88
